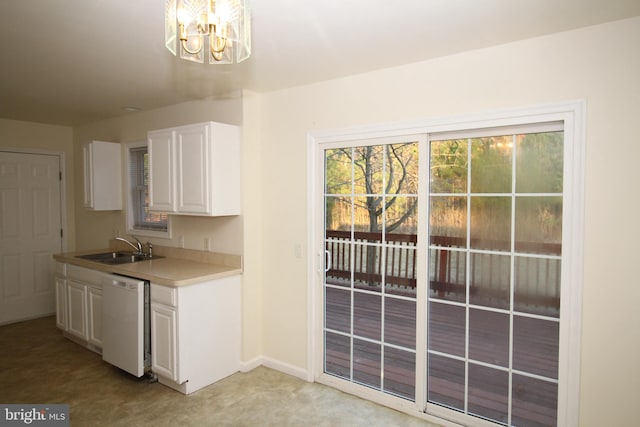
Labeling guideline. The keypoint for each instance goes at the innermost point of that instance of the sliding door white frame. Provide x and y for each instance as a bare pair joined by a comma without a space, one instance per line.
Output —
572,116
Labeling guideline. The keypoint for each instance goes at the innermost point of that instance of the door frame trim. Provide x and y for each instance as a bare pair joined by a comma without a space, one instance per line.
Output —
61,155
573,115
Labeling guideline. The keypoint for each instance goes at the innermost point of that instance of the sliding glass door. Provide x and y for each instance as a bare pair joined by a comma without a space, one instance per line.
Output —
444,272
370,229
495,246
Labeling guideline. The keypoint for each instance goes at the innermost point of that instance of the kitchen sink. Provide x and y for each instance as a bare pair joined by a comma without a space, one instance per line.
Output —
117,257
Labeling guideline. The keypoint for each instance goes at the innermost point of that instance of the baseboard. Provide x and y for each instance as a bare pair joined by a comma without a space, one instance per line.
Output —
24,319
82,342
277,365
250,365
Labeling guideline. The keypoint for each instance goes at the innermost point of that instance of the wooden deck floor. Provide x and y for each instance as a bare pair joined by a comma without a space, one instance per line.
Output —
392,370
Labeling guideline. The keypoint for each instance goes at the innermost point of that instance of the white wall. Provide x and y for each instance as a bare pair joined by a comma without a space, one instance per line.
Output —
252,290
599,64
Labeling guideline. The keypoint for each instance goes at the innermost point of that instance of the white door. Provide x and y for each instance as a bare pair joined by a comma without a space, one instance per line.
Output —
30,224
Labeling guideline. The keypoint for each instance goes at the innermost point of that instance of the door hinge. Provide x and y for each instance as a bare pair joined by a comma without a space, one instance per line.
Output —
60,175
61,233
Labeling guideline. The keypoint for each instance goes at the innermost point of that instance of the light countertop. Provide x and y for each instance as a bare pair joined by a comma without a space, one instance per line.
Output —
168,271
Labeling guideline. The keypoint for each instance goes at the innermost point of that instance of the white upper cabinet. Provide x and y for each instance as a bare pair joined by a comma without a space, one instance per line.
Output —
195,169
102,176
161,170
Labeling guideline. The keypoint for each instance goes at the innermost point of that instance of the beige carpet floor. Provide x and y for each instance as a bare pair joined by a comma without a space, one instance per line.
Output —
38,365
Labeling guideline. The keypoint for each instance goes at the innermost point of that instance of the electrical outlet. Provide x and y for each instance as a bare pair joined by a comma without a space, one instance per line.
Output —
207,244
181,241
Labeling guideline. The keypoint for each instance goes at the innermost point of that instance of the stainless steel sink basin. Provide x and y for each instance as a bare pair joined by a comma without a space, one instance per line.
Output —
116,257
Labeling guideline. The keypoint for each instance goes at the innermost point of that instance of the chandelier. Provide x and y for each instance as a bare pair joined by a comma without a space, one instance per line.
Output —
216,31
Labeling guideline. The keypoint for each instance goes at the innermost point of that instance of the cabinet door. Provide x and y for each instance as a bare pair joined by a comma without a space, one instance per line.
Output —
161,171
94,306
225,169
61,302
163,342
102,175
77,309
192,163
87,153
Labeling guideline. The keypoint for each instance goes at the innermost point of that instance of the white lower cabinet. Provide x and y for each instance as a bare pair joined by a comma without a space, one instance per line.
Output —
195,329
79,304
94,315
163,341
77,309
61,301
195,333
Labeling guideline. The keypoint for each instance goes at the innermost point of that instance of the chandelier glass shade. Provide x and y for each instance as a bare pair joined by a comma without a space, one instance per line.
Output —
215,31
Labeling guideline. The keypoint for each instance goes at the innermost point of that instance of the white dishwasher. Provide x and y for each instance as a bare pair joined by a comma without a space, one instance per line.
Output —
125,323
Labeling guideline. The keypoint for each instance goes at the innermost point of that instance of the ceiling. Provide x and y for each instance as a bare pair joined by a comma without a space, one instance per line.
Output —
70,62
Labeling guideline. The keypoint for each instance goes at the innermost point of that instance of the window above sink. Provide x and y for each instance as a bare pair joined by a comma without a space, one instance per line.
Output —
141,221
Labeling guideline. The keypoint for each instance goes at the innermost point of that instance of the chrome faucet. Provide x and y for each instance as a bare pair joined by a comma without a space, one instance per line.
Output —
137,246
